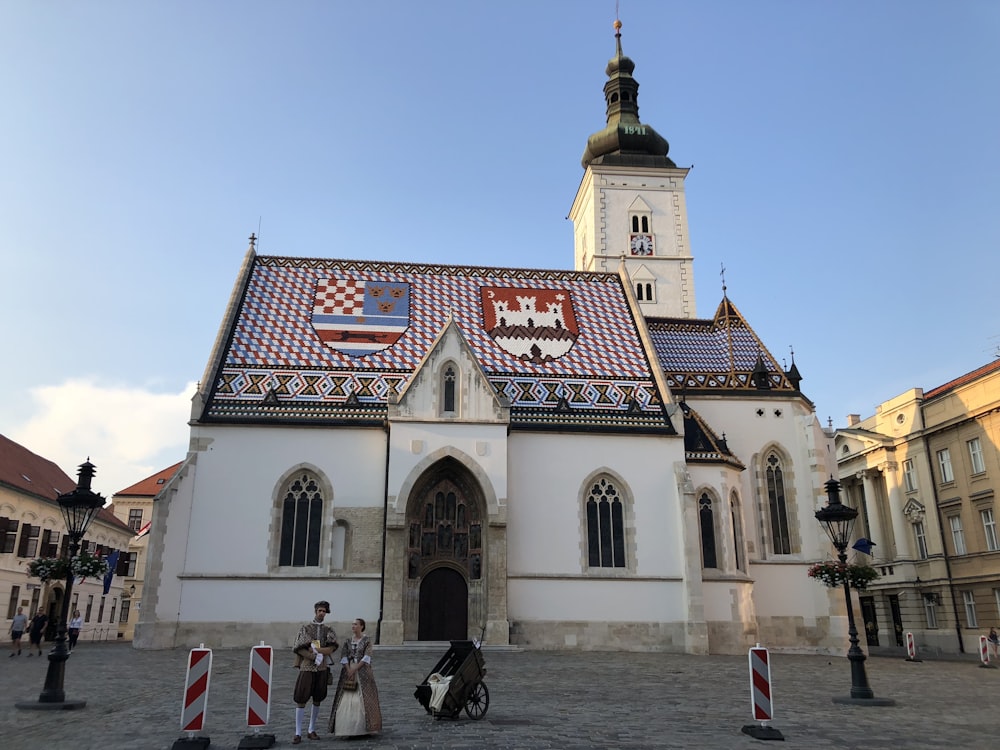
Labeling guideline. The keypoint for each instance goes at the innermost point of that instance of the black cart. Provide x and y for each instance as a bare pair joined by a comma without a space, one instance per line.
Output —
464,664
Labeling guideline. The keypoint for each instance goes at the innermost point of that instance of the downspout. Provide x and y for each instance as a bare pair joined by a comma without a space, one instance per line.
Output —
944,549
385,520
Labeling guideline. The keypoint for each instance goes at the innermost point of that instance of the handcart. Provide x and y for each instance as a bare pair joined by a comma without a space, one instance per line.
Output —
464,665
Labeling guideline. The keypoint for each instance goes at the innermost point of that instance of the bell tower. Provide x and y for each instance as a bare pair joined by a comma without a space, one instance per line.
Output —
630,205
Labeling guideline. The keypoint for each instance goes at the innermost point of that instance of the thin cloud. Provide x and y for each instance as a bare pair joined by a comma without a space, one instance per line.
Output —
127,432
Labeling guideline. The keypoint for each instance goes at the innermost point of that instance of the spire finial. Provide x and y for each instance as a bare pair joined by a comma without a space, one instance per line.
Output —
722,273
253,241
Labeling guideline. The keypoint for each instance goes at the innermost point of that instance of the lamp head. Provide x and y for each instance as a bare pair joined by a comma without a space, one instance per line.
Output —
836,518
80,505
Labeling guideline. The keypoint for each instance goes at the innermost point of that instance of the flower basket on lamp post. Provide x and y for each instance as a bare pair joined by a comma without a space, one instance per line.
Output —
833,574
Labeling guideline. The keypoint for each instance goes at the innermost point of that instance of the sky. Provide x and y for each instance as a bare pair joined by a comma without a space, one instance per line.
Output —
846,173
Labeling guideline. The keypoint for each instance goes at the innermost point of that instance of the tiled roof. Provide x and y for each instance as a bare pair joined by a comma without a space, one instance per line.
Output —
333,340
151,485
711,356
701,444
960,381
37,476
28,472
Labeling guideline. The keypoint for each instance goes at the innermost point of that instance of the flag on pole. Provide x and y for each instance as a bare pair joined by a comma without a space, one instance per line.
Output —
864,546
143,531
112,564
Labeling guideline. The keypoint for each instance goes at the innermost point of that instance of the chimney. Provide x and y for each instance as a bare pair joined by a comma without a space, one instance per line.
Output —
853,419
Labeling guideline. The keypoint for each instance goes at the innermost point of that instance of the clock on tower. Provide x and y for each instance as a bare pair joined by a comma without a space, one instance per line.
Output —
640,244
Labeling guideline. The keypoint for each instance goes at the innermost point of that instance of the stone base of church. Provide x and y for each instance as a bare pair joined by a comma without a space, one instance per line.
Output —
670,637
791,634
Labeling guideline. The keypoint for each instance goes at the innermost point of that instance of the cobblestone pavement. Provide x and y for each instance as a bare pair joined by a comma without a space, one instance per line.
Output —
538,700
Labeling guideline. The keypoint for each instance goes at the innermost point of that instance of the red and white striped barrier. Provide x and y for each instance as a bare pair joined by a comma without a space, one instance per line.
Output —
760,696
259,687
984,652
195,703
911,648
760,685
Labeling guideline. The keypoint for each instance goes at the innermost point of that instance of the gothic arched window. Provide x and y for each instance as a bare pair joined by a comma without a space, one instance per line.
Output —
777,510
737,519
449,389
707,520
605,526
301,522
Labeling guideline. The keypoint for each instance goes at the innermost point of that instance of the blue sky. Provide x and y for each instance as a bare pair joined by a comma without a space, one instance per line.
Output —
845,156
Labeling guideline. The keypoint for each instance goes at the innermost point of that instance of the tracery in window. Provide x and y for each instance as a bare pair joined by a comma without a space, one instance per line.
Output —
707,521
301,522
605,526
447,527
777,511
449,388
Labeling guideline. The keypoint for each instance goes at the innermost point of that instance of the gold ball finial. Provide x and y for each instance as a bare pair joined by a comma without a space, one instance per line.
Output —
618,25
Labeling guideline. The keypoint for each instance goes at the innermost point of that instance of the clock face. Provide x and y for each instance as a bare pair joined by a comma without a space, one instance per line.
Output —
641,244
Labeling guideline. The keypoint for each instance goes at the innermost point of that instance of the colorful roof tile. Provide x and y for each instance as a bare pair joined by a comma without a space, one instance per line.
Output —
333,340
723,354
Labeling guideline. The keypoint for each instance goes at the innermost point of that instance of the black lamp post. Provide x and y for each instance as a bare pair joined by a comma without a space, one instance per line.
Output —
79,507
837,520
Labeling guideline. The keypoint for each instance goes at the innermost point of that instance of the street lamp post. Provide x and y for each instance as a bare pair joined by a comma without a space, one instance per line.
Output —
837,520
79,507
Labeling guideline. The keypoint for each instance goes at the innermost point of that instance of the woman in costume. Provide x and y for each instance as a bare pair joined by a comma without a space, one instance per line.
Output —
356,708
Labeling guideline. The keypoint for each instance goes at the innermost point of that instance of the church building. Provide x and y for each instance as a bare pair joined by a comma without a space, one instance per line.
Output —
556,459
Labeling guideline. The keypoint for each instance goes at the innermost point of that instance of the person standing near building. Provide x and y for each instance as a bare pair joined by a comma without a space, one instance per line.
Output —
994,640
75,626
36,631
17,627
313,646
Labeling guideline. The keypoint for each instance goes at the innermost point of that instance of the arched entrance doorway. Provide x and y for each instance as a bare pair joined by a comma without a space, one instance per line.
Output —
444,606
445,543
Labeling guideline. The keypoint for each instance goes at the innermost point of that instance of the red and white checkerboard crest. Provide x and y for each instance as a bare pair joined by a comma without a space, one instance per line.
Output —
535,325
360,317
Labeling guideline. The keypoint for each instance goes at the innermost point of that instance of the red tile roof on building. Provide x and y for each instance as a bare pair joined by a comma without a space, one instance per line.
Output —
28,472
151,485
963,380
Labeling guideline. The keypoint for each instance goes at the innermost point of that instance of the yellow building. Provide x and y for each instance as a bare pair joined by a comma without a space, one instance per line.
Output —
134,506
923,473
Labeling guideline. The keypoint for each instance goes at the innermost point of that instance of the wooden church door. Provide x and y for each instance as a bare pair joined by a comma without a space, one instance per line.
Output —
444,606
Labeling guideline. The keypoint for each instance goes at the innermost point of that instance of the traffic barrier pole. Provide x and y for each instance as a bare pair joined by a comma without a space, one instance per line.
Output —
760,696
259,698
984,653
911,648
194,704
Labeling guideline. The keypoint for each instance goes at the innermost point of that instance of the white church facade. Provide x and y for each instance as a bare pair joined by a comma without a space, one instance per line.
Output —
559,458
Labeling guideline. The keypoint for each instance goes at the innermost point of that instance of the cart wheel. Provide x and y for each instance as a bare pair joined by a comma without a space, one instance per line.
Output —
479,701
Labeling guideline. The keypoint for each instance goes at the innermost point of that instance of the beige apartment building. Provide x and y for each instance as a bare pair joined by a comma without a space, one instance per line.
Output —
923,473
134,506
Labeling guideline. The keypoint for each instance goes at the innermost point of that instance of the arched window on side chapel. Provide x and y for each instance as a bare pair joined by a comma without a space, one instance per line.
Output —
449,377
776,507
301,521
605,525
706,519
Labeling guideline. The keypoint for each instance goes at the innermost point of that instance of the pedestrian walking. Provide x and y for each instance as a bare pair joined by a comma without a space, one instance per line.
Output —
313,646
75,625
36,631
17,627
994,642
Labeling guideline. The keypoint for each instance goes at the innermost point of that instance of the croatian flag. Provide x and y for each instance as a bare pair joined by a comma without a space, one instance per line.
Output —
143,531
112,564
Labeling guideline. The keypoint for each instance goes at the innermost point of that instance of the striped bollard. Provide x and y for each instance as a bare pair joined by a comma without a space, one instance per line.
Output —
195,702
911,648
760,696
984,653
258,698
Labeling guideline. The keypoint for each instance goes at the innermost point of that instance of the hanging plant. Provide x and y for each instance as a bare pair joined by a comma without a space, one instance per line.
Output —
834,574
57,568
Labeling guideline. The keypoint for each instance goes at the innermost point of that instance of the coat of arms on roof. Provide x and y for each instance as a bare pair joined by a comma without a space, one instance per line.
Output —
535,325
360,317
